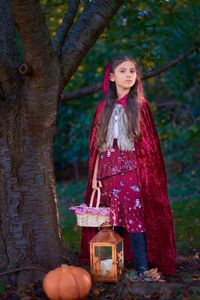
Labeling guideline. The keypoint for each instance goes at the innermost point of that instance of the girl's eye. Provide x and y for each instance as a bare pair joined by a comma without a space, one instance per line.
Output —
131,71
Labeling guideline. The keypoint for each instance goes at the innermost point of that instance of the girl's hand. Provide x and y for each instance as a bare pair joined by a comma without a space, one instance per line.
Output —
99,184
94,184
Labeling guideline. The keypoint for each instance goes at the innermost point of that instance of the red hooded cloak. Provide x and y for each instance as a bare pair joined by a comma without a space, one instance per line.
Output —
161,248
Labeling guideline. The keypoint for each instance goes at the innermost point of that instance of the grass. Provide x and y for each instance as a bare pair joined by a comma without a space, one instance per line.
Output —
187,225
186,215
70,193
184,186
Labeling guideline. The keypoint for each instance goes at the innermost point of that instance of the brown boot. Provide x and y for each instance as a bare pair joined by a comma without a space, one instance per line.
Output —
153,275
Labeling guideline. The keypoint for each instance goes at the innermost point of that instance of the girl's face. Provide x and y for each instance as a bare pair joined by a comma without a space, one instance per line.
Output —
124,76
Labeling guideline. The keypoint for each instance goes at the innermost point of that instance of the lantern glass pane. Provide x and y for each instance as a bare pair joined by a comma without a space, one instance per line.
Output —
119,247
104,254
120,257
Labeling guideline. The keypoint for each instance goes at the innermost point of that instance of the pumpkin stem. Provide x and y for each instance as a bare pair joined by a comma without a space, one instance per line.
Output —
64,266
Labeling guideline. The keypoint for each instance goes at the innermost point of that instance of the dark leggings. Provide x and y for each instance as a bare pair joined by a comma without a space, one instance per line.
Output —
138,245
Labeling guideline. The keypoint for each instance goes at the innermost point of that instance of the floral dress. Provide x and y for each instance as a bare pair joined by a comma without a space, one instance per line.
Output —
117,171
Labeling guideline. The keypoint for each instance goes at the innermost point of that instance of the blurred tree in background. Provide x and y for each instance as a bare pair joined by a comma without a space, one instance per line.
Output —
154,33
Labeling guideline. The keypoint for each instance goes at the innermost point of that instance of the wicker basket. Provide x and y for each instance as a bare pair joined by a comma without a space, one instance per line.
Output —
88,219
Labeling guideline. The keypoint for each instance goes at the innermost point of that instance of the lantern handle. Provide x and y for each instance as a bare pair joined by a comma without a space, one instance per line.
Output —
114,218
98,197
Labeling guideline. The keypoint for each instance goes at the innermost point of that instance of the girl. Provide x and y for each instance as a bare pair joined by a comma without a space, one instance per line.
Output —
125,148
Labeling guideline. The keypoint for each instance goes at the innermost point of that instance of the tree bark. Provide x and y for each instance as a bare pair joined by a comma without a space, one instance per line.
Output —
29,231
30,234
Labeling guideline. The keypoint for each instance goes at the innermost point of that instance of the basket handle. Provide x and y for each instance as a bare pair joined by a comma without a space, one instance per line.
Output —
98,197
114,217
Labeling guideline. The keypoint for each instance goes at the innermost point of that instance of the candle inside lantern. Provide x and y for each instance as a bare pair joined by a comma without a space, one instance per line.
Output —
106,266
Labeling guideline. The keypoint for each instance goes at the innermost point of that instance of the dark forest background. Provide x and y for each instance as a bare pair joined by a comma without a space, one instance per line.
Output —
156,34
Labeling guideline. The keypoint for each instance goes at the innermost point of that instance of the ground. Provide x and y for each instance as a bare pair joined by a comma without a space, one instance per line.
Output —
185,285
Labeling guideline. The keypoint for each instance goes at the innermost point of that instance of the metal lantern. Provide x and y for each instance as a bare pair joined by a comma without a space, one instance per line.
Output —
106,255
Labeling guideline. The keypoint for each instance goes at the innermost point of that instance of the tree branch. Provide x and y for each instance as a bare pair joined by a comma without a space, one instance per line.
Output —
32,29
169,65
85,32
87,90
68,96
65,26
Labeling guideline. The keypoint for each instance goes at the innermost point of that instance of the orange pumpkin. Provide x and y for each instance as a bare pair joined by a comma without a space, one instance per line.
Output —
67,283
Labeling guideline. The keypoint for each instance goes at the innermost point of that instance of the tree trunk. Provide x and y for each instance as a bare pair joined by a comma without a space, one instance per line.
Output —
29,222
28,227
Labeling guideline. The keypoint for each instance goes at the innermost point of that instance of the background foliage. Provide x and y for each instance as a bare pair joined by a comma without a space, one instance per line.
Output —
153,32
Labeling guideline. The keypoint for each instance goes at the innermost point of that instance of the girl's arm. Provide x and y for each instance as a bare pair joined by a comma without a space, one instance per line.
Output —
94,179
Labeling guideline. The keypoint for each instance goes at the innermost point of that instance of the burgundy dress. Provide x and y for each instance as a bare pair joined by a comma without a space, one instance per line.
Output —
120,188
